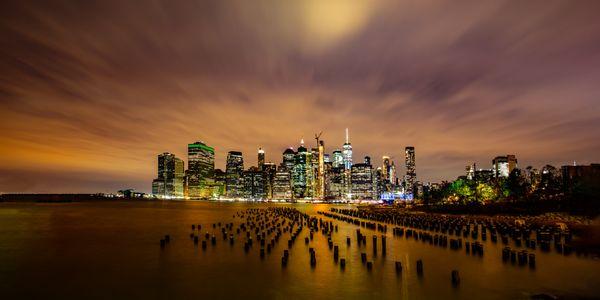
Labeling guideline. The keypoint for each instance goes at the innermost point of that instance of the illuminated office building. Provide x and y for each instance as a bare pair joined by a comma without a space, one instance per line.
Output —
289,159
170,177
336,182
269,169
411,173
254,184
503,165
301,173
361,178
338,158
320,180
282,184
347,152
326,158
233,171
385,169
201,167
261,158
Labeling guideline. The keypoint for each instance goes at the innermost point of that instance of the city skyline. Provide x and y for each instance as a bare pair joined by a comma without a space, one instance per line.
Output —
92,92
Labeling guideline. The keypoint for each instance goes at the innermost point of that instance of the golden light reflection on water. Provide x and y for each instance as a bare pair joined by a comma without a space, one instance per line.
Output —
115,245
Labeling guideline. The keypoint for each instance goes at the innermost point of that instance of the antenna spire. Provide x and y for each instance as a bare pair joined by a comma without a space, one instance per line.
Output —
347,139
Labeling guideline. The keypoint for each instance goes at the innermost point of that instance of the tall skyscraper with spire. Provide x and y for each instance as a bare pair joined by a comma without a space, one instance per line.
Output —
347,152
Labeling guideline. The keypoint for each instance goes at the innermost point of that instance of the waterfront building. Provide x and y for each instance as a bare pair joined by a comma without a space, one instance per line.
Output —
386,168
361,179
289,159
347,152
338,158
470,170
392,180
254,184
233,172
320,180
282,184
411,173
336,182
500,166
170,176
378,183
220,183
269,169
261,158
201,167
302,173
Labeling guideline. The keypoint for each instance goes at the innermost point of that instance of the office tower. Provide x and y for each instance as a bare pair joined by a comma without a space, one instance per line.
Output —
289,159
261,158
500,166
367,160
411,174
512,162
392,174
169,181
233,172
178,181
269,169
347,152
378,184
320,190
201,167
158,188
336,182
220,183
361,178
385,169
326,158
254,184
338,158
282,184
301,172
470,170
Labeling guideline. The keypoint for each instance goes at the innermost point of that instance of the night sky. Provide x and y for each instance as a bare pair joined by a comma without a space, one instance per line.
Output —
92,91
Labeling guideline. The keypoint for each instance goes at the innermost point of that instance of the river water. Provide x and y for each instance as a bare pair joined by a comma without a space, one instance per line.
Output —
110,250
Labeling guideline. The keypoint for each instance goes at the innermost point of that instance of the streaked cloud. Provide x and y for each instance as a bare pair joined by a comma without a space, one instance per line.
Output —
97,89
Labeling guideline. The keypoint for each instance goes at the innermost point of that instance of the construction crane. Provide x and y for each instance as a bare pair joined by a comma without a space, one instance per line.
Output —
318,137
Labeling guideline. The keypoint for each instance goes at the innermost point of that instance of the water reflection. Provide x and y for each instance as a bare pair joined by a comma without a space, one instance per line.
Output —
111,250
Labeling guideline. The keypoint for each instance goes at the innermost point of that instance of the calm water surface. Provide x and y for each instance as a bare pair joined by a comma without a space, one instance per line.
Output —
110,250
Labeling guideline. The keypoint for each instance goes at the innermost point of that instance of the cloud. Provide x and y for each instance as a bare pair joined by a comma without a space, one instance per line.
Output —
101,88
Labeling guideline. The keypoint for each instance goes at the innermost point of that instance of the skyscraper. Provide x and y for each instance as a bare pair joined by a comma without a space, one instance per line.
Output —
169,181
301,172
233,172
503,165
411,174
361,178
385,169
270,170
320,182
347,152
254,184
201,166
289,159
338,159
282,184
261,158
